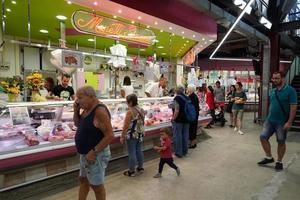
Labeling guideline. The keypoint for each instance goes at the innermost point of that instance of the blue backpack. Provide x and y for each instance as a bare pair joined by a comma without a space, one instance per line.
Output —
189,109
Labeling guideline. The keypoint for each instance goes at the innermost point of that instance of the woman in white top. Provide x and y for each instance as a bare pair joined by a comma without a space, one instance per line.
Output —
127,88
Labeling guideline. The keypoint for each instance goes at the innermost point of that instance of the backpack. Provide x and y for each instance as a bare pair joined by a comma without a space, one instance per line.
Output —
189,109
136,129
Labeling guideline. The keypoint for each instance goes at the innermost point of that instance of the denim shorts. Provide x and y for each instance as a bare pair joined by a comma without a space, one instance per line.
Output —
95,171
238,114
270,128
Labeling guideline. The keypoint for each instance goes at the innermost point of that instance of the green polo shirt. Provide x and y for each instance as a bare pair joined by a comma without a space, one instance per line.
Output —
287,96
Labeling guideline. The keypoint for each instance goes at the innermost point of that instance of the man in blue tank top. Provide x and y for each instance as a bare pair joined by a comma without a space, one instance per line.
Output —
282,111
94,133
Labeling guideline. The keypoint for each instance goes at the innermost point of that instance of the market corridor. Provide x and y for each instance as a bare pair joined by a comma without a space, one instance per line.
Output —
222,167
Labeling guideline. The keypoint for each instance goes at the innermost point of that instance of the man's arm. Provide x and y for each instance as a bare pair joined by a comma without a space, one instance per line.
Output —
176,111
76,114
103,122
293,111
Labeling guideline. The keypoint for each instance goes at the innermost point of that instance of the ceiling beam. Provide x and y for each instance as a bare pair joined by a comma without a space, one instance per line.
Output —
287,26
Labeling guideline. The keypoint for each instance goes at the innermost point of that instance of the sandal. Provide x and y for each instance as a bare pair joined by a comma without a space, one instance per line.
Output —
129,173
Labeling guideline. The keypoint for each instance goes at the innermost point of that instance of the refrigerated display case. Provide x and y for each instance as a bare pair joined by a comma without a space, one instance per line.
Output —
37,138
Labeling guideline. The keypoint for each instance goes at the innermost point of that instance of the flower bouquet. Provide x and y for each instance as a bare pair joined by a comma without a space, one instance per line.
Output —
34,82
12,86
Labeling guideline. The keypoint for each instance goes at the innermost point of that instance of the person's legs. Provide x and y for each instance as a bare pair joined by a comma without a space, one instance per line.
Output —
161,165
131,148
99,191
281,137
234,118
170,162
267,132
139,154
231,120
185,138
178,138
84,188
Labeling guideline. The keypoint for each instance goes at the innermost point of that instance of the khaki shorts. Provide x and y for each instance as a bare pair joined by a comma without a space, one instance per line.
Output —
238,114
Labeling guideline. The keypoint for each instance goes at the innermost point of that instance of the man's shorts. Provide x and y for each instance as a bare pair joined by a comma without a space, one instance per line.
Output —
238,114
95,171
270,128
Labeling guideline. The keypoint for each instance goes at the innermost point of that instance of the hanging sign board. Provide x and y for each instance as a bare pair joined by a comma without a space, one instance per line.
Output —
71,59
90,23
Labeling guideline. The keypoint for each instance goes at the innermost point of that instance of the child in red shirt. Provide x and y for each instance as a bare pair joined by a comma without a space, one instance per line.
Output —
165,152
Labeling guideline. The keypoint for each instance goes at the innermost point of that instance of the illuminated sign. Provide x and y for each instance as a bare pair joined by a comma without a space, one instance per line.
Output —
90,23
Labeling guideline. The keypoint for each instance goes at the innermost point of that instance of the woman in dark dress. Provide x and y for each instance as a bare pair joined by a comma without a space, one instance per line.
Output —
193,125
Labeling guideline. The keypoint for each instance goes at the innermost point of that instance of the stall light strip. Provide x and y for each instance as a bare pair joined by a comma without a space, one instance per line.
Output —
231,28
247,59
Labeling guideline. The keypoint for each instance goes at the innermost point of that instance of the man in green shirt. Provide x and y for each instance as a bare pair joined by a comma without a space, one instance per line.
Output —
282,111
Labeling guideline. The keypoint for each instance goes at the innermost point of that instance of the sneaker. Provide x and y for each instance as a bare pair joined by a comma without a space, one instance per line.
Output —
278,166
235,129
140,170
265,161
158,175
241,132
129,173
178,171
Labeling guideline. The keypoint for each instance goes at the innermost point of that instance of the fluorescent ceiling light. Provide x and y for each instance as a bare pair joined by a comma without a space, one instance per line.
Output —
132,22
119,11
265,22
163,53
142,49
241,4
44,31
8,9
194,36
155,23
13,2
91,40
95,3
148,26
139,17
61,17
231,28
160,47
182,32
69,2
161,31
115,16
211,40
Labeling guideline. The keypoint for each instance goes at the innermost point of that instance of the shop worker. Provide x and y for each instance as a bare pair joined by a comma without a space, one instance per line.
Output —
282,111
63,90
156,89
92,140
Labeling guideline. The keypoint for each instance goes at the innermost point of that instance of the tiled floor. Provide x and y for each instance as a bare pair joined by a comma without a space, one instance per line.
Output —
222,167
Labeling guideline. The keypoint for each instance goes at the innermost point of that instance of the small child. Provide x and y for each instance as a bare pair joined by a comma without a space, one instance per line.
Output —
165,152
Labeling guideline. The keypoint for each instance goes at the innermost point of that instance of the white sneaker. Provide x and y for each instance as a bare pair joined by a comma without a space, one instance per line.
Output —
235,129
241,132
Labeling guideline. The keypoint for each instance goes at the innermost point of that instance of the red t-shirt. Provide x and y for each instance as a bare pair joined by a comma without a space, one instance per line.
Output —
210,100
166,143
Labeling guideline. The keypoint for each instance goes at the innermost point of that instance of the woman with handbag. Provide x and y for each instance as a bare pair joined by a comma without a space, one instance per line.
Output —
133,133
230,103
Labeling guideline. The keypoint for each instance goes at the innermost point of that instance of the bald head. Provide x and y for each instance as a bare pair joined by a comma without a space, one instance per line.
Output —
87,91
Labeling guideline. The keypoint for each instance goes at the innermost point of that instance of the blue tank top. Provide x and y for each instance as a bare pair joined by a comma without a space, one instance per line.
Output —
87,135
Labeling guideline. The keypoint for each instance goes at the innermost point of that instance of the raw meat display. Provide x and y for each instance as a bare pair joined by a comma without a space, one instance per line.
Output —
31,139
55,138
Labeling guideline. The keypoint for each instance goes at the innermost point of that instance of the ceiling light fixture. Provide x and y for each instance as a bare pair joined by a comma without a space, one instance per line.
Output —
173,34
91,40
69,2
8,9
194,36
241,4
13,2
187,41
155,23
161,31
160,47
115,16
265,22
231,28
203,39
148,26
61,17
95,3
44,31
142,49
139,17
182,32
211,40
119,11
170,28
132,22
183,37
163,53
